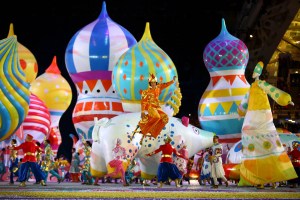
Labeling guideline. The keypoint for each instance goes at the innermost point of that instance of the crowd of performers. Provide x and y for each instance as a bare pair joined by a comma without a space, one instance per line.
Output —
174,165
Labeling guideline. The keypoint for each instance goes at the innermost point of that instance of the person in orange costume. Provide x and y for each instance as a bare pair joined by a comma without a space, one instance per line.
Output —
153,117
29,161
167,169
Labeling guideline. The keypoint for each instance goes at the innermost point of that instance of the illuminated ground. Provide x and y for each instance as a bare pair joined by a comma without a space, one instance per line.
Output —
69,190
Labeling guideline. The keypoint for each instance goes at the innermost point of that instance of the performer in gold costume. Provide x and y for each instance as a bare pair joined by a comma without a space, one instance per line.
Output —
86,172
13,158
153,117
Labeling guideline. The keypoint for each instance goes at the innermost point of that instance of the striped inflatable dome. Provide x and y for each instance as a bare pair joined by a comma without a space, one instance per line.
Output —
131,73
94,50
27,60
37,122
90,57
14,90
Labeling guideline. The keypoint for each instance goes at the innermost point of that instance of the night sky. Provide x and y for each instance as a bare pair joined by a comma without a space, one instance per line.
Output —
181,28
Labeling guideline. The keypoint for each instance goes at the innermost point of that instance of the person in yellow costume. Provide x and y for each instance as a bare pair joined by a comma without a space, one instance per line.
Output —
264,158
153,117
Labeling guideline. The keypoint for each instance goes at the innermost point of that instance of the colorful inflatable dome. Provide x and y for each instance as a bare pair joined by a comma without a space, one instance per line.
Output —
54,90
27,59
37,122
131,73
225,58
14,90
94,50
90,57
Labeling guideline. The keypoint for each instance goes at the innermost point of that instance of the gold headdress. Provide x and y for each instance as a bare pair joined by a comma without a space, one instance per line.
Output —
152,78
168,139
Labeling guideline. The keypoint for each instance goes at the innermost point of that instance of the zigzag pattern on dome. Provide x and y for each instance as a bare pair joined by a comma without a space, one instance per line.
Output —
223,108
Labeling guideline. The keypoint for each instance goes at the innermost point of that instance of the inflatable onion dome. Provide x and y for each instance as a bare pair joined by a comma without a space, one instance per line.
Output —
14,90
37,122
94,50
131,73
225,52
53,89
27,59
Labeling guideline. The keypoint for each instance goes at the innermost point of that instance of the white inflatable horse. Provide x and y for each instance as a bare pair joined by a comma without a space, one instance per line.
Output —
107,131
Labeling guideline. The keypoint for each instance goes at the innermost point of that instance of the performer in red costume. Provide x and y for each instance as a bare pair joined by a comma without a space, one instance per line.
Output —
167,169
295,158
29,149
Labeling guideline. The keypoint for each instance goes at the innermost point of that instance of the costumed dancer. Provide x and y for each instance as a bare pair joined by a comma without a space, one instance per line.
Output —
264,158
217,170
86,172
39,157
206,167
13,160
295,158
48,165
167,169
74,169
64,165
153,117
181,162
49,154
119,154
54,170
2,166
198,165
129,174
29,149
47,160
137,171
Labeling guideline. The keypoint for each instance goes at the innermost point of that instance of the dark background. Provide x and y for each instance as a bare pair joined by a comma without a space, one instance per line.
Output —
181,28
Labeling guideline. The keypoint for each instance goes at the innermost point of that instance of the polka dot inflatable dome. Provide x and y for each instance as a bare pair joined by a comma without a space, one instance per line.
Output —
131,73
54,90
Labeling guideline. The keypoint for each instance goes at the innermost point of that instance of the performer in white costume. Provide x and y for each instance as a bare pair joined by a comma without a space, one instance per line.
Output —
217,170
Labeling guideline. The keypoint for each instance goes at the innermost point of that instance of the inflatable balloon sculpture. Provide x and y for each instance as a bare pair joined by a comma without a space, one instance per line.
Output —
37,122
29,66
233,161
14,90
225,58
121,127
235,155
131,74
264,157
53,89
27,60
90,57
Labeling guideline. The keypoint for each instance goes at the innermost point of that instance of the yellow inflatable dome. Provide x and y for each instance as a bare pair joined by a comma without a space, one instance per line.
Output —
27,59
